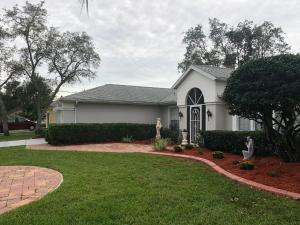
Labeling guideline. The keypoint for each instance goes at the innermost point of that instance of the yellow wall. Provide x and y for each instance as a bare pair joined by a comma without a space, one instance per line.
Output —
51,116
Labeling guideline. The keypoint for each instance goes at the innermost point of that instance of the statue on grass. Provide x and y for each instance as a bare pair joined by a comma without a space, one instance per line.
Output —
158,127
248,154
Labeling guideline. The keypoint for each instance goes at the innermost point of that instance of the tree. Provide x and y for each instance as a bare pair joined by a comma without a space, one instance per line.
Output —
12,96
231,46
85,3
29,95
69,56
196,49
267,90
8,71
21,97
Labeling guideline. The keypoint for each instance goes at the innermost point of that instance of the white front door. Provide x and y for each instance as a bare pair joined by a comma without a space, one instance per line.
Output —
195,123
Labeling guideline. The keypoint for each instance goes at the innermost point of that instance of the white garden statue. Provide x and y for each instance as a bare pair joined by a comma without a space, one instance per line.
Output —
158,127
250,146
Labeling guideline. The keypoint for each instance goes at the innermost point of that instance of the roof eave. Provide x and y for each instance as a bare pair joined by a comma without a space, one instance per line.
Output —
116,102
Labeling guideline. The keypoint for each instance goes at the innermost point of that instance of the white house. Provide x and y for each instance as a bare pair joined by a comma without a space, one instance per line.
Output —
193,103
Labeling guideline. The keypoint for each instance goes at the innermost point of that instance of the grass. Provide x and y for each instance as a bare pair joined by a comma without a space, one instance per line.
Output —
17,136
141,189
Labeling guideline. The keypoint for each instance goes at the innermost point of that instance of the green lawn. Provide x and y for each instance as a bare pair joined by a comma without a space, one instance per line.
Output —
17,136
141,189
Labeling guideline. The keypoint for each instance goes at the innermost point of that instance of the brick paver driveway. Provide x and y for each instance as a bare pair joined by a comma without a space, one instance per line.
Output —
102,147
20,185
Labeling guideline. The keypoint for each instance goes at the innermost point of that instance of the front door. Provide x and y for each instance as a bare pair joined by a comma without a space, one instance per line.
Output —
195,123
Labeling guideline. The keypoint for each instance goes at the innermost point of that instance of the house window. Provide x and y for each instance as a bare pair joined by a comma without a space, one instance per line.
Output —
174,120
244,124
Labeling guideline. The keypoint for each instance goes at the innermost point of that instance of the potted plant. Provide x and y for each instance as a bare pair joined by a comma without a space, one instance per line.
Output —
184,137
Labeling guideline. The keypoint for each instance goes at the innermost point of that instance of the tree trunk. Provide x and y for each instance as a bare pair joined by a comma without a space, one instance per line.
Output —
4,117
289,148
39,114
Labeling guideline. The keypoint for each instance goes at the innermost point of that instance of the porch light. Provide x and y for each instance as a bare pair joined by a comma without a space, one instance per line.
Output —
209,114
180,114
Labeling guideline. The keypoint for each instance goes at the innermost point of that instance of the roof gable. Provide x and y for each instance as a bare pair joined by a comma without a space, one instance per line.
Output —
211,72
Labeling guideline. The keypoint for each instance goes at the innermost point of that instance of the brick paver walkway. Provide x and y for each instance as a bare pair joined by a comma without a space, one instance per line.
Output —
20,185
103,147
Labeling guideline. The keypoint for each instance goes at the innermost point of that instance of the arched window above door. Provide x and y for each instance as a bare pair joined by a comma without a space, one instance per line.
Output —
195,97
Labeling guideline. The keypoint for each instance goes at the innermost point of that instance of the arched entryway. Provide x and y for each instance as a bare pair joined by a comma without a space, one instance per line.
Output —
196,113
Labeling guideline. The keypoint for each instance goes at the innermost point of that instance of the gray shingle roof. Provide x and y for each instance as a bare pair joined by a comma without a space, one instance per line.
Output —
112,93
217,72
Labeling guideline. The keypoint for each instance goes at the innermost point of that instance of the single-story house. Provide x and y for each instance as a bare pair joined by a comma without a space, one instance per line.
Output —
193,103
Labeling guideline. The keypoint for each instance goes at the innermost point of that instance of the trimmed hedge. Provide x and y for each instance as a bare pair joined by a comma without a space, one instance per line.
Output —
93,133
234,141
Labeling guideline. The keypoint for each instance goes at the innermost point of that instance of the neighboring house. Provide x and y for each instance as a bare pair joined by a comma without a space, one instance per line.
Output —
193,103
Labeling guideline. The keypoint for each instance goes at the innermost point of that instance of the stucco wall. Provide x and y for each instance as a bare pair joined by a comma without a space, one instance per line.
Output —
68,116
183,119
117,113
195,79
220,87
57,116
164,116
212,90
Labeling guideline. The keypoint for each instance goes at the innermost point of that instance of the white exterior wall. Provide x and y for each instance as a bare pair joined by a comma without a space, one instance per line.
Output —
182,120
196,80
80,112
118,113
164,116
212,90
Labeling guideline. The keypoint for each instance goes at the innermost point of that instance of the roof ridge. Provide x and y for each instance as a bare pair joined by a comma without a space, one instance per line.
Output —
212,66
128,85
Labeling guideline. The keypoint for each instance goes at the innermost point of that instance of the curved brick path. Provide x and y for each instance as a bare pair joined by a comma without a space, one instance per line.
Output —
20,185
234,177
102,147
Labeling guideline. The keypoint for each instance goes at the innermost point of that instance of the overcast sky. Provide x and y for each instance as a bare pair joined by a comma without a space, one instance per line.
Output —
139,41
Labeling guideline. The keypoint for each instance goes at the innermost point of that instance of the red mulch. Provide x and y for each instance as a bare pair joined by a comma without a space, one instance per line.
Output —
288,173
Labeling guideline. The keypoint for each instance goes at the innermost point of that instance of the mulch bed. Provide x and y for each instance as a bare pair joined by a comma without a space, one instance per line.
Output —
268,170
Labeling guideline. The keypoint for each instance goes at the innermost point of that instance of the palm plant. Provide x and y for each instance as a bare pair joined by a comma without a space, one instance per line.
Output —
85,4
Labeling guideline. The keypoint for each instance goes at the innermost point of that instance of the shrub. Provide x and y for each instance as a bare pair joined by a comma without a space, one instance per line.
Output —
177,149
160,144
246,165
92,133
199,150
218,155
234,141
189,146
274,174
41,132
235,162
171,134
127,139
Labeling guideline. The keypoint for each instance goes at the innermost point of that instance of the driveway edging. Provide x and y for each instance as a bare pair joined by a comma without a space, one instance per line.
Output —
259,186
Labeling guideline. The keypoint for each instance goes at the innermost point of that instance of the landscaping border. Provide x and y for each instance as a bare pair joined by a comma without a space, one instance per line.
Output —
293,195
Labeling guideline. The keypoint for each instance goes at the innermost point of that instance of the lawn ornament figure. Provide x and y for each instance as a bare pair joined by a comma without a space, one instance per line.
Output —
250,146
158,127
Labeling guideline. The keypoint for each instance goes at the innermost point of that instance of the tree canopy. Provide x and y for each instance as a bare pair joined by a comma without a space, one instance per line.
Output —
267,90
231,46
69,56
